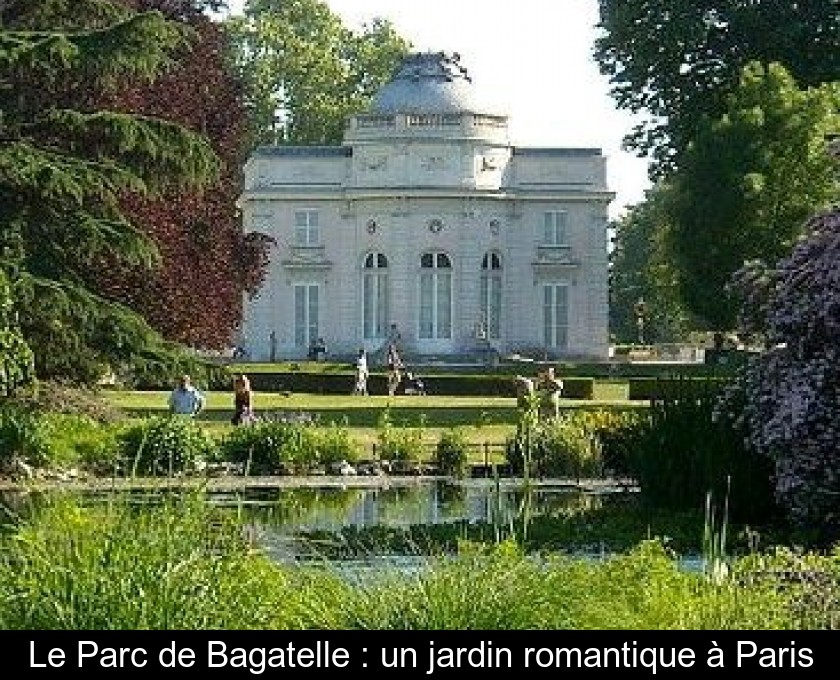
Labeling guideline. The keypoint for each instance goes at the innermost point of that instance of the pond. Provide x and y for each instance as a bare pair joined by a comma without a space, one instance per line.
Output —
278,515
399,524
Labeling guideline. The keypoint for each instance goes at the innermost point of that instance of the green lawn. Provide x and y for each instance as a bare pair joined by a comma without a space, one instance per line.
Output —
487,420
366,411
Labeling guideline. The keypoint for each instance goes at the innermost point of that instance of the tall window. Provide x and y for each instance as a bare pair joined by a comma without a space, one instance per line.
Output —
554,228
435,296
306,314
306,227
556,315
374,295
491,295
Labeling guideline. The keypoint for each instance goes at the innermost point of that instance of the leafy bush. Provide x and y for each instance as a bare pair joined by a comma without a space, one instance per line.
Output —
160,371
169,444
790,396
334,444
17,368
399,444
616,431
451,454
17,362
77,440
562,447
24,435
269,447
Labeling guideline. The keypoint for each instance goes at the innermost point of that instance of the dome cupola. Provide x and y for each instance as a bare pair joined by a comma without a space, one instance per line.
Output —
428,83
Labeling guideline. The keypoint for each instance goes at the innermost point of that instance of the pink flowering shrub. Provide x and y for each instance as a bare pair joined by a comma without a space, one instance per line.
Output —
792,389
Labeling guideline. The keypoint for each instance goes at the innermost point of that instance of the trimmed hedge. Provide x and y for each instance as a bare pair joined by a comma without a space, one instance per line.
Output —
674,388
452,385
614,369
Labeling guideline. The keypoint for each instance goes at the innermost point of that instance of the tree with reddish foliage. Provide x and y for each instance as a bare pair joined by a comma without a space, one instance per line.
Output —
206,264
65,161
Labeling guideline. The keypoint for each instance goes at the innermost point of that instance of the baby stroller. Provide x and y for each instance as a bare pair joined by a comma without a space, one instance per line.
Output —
414,385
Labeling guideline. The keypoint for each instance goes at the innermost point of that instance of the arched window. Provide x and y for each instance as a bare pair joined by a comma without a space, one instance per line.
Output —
435,296
374,296
491,296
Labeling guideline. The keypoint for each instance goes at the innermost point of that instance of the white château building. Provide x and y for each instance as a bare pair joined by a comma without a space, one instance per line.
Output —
427,221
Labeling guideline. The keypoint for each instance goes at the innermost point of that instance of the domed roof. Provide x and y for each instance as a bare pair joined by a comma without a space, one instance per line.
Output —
429,82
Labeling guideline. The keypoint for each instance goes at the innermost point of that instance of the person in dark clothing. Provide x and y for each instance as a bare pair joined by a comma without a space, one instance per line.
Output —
395,367
243,406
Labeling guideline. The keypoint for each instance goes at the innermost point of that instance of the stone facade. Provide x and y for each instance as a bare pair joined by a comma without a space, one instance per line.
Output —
428,222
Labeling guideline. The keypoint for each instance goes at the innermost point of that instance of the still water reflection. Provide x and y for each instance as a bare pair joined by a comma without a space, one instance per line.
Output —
278,514
435,502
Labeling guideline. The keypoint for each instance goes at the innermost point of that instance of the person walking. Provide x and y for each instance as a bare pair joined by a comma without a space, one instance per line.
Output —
395,367
243,401
360,388
186,399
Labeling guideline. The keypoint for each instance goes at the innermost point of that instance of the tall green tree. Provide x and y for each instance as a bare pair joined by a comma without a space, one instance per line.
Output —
16,360
748,182
305,72
677,60
64,165
640,270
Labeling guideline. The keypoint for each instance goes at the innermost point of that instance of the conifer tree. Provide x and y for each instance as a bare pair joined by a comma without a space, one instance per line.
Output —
64,165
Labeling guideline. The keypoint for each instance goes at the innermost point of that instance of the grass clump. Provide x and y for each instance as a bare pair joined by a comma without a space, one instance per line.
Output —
187,565
179,566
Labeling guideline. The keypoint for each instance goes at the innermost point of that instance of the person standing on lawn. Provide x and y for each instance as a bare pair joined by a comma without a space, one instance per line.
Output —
186,399
243,401
360,388
395,367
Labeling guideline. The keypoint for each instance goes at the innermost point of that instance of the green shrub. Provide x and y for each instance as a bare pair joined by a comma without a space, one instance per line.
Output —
17,361
562,447
161,371
452,454
616,431
399,444
24,435
334,444
78,440
162,445
674,388
272,446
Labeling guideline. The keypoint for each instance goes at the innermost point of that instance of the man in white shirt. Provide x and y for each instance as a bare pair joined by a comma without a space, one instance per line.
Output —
361,374
186,399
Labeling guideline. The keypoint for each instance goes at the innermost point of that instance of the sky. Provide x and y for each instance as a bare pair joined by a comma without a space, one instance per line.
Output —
533,58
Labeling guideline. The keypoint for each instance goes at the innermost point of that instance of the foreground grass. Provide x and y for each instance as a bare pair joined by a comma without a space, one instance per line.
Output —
184,566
